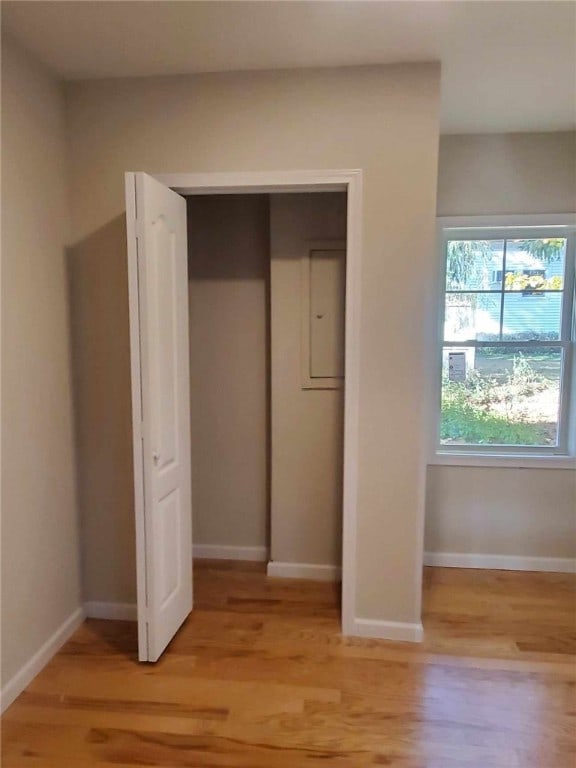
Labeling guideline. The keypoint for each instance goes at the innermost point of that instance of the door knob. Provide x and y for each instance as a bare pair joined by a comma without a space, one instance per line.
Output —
156,457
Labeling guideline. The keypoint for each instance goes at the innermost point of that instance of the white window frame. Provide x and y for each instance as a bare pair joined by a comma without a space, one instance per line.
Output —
498,227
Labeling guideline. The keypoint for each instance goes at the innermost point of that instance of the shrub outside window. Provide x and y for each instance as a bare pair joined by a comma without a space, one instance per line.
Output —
507,332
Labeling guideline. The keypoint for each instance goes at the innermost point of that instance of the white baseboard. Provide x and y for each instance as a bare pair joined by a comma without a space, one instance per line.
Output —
33,666
387,630
223,552
114,611
303,571
500,562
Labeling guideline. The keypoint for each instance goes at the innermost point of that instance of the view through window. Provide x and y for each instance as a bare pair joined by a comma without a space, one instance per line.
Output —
506,342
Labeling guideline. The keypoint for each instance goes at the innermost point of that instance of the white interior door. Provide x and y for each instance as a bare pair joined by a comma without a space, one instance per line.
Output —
158,292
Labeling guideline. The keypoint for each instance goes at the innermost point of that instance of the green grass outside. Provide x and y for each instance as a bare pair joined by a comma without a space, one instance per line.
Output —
467,418
462,422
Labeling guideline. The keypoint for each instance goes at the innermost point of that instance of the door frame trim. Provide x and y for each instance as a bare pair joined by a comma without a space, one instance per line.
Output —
349,181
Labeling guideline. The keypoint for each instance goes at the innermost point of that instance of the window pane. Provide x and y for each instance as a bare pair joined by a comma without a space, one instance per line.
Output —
535,265
470,316
508,396
474,265
532,317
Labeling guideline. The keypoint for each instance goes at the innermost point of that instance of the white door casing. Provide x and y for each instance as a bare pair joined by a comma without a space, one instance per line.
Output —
266,182
158,297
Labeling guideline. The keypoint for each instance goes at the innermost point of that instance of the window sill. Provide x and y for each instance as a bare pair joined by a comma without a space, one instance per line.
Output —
542,461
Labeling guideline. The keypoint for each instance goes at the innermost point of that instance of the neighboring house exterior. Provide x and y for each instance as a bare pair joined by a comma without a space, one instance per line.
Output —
528,312
533,313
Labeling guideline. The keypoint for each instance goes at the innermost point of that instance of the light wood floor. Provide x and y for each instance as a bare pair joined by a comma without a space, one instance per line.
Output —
259,677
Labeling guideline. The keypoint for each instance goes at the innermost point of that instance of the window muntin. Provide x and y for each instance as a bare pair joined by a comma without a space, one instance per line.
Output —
507,307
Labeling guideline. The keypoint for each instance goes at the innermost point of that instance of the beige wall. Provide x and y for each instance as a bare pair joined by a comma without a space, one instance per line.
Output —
381,119
40,563
228,243
307,424
495,511
530,512
507,173
98,278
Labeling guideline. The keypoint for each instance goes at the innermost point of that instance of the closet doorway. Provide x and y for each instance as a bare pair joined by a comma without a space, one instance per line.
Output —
161,216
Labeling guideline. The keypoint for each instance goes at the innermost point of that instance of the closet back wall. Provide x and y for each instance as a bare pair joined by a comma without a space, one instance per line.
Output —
228,246
307,424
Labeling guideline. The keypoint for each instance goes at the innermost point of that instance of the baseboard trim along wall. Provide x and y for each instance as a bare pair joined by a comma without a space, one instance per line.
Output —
33,666
114,611
388,630
500,562
303,571
223,552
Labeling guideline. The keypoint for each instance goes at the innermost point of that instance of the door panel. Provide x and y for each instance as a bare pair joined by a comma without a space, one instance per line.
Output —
168,536
158,283
163,318
327,298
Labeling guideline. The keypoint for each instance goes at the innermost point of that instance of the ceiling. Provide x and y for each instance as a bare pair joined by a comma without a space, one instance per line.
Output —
506,65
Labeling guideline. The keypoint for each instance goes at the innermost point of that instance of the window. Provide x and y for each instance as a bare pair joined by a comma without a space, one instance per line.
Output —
507,337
